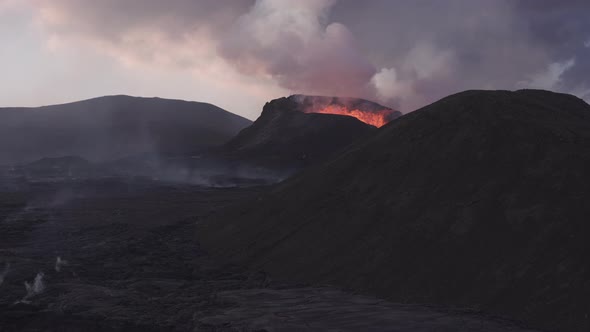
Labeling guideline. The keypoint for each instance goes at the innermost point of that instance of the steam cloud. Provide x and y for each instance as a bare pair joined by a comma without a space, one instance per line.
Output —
35,288
402,54
59,263
4,273
294,43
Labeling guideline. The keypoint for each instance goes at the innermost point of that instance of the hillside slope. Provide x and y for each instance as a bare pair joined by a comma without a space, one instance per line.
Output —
478,200
113,127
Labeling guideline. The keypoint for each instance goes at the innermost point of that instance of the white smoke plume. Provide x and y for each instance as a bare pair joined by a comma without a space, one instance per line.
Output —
35,288
4,273
59,263
294,43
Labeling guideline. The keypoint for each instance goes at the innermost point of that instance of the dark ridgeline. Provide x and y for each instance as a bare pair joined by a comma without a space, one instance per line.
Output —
285,137
478,200
113,127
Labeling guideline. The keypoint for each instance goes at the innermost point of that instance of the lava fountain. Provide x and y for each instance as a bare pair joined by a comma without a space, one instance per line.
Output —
366,111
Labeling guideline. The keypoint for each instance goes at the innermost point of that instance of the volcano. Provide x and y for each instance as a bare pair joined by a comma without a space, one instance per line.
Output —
479,200
297,131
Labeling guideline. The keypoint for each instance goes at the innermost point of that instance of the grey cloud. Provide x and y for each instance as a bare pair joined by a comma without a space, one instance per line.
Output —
404,54
563,30
486,44
109,19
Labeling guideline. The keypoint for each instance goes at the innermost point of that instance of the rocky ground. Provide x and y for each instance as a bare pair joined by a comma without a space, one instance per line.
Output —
115,255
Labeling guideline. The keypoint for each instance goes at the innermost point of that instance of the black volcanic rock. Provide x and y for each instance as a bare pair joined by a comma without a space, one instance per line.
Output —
130,263
478,200
56,167
113,127
284,136
59,162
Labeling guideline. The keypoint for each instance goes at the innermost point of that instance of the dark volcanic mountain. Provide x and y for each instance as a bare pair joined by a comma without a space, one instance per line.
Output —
113,127
478,200
291,132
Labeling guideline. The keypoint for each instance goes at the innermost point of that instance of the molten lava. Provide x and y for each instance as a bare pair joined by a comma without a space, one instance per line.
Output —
375,118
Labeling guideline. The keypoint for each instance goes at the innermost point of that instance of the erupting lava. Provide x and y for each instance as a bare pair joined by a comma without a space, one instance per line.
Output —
363,110
375,118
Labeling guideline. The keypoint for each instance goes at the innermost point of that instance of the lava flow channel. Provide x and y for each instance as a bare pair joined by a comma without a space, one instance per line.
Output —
375,118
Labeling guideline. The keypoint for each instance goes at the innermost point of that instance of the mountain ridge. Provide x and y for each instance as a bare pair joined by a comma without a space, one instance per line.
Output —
111,127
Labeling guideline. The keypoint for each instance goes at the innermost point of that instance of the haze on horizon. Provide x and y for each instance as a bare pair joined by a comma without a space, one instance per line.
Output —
240,54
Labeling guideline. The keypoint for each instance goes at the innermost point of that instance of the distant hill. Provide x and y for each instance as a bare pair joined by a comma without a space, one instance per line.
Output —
289,133
113,127
478,200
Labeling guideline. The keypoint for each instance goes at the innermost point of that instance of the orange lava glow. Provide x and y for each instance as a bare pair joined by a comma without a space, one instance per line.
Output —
374,118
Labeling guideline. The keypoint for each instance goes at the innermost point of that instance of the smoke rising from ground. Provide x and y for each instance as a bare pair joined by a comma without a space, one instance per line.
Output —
4,272
60,263
402,54
34,288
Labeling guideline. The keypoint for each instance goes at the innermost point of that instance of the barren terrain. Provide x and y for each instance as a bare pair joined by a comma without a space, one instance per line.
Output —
129,261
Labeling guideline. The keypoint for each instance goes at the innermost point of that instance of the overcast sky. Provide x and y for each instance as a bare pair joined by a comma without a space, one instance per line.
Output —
238,54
